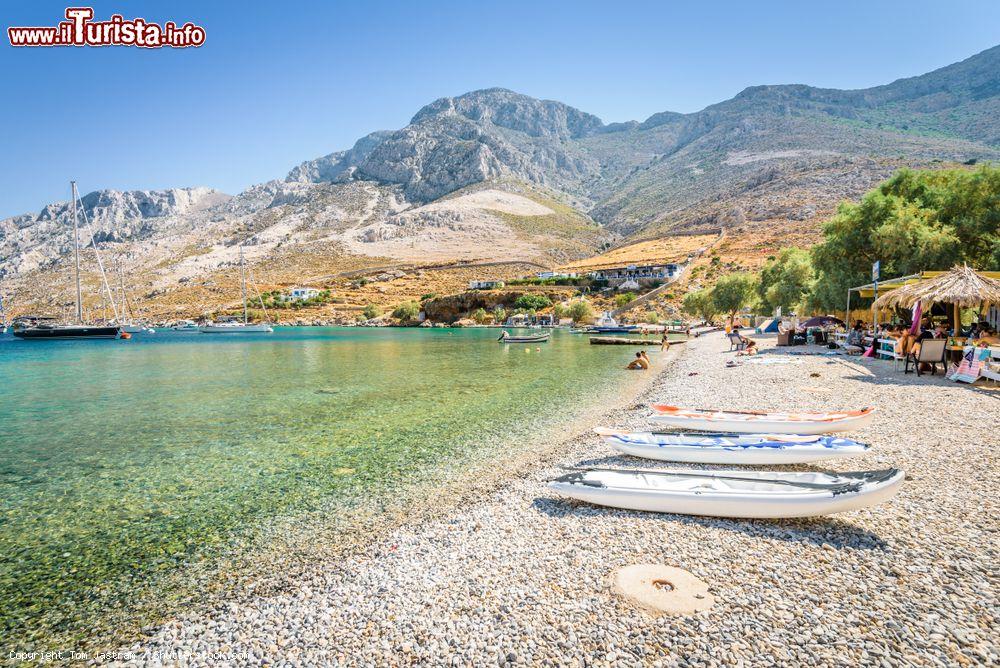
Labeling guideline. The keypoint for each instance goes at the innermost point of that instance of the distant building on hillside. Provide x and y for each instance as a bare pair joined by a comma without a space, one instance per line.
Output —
301,294
555,274
645,273
485,285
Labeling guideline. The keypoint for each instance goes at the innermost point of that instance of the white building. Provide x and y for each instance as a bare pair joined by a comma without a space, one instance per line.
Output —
555,274
485,285
634,272
301,294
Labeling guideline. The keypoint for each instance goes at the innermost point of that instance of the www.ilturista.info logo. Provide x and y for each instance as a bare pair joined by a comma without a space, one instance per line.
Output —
79,30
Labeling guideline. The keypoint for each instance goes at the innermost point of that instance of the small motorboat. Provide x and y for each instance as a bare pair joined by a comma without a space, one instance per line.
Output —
532,338
742,449
730,493
749,422
184,326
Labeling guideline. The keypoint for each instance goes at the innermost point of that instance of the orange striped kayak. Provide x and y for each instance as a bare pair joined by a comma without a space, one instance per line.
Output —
751,422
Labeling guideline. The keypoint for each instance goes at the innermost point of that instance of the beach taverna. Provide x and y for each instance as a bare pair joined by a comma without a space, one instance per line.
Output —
962,287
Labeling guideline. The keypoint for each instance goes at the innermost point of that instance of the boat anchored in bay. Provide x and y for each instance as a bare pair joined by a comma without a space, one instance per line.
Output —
232,325
43,328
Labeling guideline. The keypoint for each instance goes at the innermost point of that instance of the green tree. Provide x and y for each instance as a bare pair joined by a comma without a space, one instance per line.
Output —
532,302
580,310
917,220
406,311
785,280
652,317
733,292
559,311
499,314
371,311
480,315
699,303
624,298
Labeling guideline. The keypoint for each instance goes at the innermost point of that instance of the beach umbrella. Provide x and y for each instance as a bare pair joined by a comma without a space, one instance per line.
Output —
962,287
822,321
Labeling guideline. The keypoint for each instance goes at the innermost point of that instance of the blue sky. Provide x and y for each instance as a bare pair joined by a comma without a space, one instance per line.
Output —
285,82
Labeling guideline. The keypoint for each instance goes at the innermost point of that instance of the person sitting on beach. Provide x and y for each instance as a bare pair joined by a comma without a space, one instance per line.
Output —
855,342
639,362
749,346
937,333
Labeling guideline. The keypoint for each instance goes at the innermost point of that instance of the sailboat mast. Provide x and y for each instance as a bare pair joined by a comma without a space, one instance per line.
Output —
121,288
76,253
243,285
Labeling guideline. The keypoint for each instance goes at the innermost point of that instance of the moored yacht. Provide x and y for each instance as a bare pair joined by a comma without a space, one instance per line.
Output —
41,328
232,325
36,328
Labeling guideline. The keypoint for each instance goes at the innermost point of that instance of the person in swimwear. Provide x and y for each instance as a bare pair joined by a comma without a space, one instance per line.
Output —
639,362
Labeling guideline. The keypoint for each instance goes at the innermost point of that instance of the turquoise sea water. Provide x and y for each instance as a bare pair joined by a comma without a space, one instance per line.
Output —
120,460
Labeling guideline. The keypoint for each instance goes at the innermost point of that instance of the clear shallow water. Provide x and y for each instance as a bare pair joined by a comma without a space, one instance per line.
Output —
121,459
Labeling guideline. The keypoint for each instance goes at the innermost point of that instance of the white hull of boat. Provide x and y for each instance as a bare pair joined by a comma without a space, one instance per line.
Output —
762,423
235,329
138,329
734,449
736,494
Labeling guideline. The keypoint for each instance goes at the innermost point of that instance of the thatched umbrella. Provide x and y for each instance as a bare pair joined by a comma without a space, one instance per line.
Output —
961,286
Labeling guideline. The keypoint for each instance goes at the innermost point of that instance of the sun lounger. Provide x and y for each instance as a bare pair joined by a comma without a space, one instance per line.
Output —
736,341
931,352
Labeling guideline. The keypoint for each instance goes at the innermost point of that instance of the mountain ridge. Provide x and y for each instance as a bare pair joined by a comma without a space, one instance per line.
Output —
770,159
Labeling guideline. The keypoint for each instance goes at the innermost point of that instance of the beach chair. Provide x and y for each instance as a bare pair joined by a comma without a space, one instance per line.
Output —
932,351
735,341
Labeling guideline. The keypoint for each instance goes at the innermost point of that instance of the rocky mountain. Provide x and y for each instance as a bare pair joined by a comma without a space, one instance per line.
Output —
495,175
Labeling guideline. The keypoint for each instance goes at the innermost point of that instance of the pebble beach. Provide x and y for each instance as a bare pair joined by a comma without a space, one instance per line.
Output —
516,576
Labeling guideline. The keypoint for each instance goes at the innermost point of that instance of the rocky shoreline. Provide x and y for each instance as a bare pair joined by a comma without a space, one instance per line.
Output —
514,576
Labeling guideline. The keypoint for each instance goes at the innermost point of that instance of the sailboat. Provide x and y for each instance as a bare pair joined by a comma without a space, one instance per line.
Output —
128,322
38,328
232,325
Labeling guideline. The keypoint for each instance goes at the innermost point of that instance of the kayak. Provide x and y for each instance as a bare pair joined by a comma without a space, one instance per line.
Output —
730,493
709,448
749,422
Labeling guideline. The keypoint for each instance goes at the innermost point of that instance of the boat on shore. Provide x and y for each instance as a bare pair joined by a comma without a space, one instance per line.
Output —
751,422
730,493
506,337
736,449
